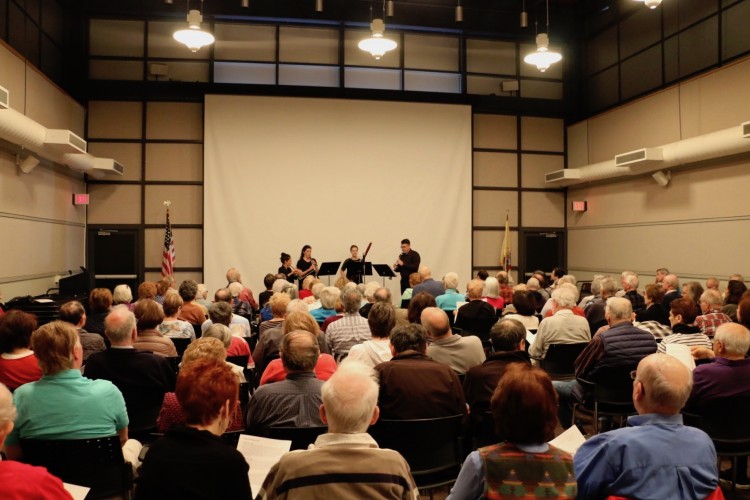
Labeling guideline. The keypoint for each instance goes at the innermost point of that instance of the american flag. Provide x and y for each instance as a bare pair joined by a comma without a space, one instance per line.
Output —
167,260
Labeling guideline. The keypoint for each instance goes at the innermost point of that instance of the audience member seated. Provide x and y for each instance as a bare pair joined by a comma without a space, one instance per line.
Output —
654,295
447,301
146,290
239,306
306,288
221,314
100,302
428,285
692,290
22,481
193,461
245,295
239,325
123,295
368,297
618,349
73,312
566,281
474,316
142,377
204,348
381,320
726,376
419,303
266,294
18,364
506,292
743,312
350,330
672,291
492,293
341,463
149,316
277,303
629,282
339,308
414,280
328,296
171,326
523,304
273,368
222,332
162,287
563,327
508,338
191,311
202,299
594,310
64,404
534,287
711,317
414,386
682,315
294,401
460,353
732,296
656,456
523,408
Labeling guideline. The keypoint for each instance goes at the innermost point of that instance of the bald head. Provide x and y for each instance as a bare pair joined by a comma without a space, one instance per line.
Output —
733,339
662,385
425,272
435,322
119,326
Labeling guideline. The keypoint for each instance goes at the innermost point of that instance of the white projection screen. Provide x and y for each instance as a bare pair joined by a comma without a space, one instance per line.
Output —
281,173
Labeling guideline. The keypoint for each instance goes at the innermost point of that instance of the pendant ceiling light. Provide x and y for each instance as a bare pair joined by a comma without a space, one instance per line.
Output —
543,57
651,4
377,44
194,37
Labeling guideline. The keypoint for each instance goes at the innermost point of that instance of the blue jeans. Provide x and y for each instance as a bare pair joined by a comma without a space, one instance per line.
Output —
564,390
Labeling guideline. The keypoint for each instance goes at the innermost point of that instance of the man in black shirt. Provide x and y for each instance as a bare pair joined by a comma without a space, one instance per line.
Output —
407,263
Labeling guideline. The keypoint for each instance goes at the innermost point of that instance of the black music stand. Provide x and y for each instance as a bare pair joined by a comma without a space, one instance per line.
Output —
328,269
384,271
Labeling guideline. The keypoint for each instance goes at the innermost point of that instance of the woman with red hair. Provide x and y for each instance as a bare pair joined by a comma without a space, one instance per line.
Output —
524,408
194,461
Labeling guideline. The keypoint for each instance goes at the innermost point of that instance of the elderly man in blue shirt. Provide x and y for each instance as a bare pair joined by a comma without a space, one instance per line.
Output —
656,456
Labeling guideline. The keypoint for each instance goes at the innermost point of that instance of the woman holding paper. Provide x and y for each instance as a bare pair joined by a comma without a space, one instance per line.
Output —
524,408
194,461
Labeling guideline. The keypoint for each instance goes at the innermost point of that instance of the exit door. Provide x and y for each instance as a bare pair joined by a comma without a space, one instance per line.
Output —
114,258
543,250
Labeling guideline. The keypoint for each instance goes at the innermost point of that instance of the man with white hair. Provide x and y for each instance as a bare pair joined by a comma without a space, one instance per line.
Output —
629,282
428,285
672,291
346,461
239,306
656,456
233,276
616,350
595,309
712,316
460,353
563,327
203,296
726,377
352,329
21,480
477,316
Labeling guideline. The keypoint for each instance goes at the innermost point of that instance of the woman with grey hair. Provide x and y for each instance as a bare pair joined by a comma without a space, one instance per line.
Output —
123,295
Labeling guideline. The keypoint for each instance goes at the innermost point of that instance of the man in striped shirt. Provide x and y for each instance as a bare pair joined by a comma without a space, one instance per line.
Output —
352,329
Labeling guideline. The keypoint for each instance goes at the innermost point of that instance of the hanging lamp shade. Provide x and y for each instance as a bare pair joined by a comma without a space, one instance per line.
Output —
193,37
651,4
543,58
377,44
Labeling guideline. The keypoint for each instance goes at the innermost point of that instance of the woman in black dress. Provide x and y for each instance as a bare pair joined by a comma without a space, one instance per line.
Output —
306,265
286,267
352,267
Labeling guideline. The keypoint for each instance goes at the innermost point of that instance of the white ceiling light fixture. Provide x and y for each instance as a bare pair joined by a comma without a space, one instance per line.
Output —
194,37
377,44
651,4
543,58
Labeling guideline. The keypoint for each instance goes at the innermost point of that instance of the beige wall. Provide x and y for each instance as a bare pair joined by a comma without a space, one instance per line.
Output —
43,233
698,226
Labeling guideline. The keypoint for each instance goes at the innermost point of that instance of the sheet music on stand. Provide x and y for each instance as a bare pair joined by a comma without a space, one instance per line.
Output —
384,271
329,269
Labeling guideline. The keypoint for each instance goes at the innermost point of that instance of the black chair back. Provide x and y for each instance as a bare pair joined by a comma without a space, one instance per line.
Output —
181,345
239,360
198,331
483,429
174,362
560,360
301,437
432,447
95,463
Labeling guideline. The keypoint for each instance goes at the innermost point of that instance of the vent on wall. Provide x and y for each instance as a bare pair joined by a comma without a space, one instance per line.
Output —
746,130
65,141
4,98
562,175
639,157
